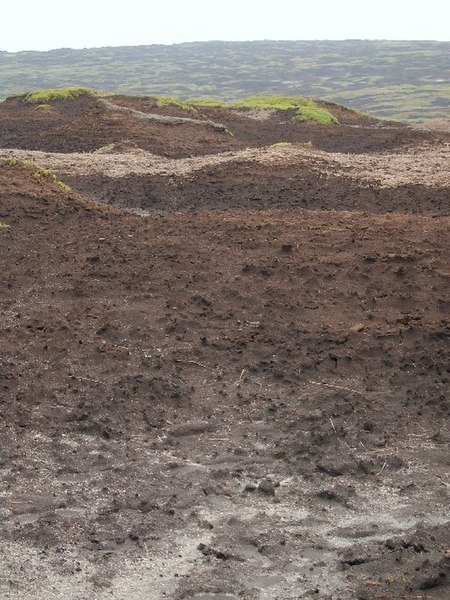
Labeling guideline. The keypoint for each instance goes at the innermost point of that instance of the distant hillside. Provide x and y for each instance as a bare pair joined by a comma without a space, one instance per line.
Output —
401,80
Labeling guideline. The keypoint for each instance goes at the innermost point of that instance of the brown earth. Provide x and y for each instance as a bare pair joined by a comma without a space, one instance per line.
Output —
240,392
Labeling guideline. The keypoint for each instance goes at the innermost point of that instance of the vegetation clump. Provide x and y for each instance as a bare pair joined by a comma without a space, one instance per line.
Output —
8,162
306,108
67,93
41,173
3,225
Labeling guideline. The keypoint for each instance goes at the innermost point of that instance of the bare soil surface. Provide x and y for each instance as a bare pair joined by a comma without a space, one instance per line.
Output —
241,392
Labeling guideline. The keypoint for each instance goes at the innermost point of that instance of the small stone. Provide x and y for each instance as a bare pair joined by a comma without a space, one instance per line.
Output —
307,363
357,328
267,487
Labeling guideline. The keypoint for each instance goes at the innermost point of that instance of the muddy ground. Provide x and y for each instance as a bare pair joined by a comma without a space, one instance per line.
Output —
240,389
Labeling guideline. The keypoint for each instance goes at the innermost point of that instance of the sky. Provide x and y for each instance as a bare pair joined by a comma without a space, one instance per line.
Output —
51,24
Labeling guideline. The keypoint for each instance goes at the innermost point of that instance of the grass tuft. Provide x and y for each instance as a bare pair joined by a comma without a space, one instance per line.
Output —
207,102
66,188
3,225
105,149
40,173
8,162
162,101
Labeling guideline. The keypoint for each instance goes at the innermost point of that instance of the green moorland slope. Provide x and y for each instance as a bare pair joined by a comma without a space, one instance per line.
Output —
406,80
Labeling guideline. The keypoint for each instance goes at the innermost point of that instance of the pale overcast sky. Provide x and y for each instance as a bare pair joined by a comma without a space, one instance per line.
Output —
50,24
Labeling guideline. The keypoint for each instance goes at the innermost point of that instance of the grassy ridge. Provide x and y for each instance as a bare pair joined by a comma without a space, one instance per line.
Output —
306,108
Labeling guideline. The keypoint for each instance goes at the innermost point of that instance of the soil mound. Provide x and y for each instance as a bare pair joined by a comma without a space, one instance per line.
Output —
86,124
29,192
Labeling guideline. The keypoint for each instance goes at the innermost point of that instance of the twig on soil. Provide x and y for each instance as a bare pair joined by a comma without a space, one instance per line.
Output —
88,379
340,440
146,419
191,362
239,381
382,468
337,387
332,425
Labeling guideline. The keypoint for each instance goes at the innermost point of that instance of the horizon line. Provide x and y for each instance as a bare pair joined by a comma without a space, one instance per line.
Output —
220,41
